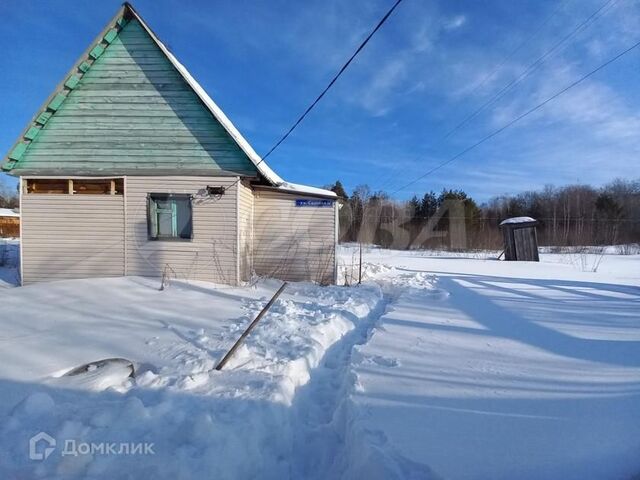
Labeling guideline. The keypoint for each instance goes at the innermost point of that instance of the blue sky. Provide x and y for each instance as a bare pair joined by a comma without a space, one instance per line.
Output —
384,121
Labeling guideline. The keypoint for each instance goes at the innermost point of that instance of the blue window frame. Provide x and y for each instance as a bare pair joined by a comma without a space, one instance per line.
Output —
170,216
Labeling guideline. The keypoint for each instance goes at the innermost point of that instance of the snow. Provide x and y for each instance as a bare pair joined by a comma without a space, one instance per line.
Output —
97,375
451,366
296,188
9,261
6,212
204,423
505,369
517,220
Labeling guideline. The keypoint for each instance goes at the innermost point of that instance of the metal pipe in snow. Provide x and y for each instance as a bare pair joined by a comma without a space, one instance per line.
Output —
251,326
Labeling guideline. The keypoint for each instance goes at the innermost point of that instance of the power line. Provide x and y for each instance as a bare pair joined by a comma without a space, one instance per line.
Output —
530,37
333,80
520,117
558,218
525,73
531,68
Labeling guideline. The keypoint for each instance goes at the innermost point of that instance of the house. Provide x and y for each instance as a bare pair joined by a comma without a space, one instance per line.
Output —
9,223
130,168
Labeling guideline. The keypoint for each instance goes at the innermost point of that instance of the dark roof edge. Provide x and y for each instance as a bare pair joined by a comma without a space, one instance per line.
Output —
159,172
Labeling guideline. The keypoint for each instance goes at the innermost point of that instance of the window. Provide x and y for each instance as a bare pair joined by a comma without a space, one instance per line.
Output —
98,187
48,186
170,217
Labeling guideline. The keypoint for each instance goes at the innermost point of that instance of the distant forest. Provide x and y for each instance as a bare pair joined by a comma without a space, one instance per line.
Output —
573,215
9,197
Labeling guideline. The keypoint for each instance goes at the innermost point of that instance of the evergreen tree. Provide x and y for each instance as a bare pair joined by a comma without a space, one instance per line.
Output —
413,209
428,205
607,207
472,213
339,190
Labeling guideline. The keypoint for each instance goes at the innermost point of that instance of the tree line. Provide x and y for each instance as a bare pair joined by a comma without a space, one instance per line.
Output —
9,197
572,215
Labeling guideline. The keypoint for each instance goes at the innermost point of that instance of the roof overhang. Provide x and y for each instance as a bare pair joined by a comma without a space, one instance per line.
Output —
301,190
131,172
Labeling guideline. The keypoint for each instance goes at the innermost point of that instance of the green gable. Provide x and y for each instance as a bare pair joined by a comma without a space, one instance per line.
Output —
127,110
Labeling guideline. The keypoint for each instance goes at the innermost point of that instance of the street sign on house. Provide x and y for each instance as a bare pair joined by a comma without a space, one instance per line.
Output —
305,202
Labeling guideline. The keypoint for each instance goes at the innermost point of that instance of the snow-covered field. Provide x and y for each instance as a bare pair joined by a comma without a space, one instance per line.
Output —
506,370
449,366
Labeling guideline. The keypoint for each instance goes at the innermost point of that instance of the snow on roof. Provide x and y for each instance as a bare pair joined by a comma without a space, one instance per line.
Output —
6,212
294,187
273,178
517,220
262,167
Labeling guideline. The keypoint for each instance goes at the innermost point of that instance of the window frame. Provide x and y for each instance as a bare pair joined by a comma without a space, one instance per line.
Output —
31,185
112,186
151,199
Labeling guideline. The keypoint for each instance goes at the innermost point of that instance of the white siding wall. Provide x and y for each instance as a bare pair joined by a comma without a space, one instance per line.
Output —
245,230
293,243
210,255
72,236
79,236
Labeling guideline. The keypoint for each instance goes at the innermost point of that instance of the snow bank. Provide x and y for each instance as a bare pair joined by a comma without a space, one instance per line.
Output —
236,423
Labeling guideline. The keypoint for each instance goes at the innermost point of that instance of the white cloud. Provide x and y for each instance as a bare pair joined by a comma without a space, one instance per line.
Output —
428,57
454,23
375,96
396,66
591,106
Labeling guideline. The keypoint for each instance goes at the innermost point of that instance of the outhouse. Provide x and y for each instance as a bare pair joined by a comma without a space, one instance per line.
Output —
520,239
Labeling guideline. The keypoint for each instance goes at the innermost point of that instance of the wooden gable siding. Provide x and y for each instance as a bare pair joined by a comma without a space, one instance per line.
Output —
293,243
133,111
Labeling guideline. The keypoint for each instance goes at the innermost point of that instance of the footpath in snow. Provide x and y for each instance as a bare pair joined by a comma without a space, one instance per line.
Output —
247,421
484,369
447,367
